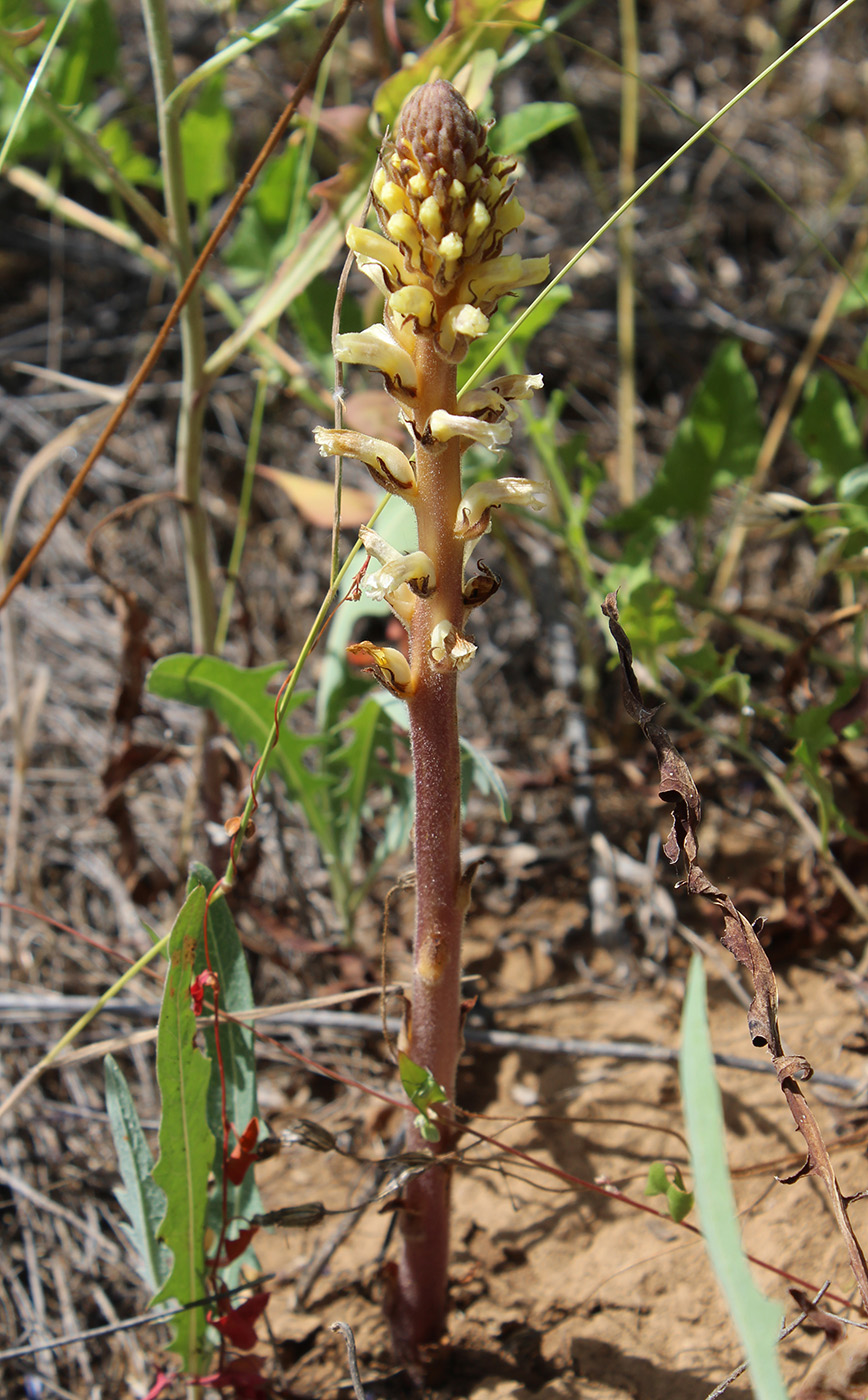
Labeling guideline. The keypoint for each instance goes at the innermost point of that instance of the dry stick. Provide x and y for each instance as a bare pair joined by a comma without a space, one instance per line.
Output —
182,298
347,1333
277,1021
778,426
784,1333
766,764
740,938
143,1320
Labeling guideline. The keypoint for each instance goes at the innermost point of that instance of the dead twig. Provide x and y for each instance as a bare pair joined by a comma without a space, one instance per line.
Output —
740,938
785,1332
347,1333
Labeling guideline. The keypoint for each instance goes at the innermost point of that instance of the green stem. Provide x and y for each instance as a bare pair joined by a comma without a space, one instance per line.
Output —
188,444
234,567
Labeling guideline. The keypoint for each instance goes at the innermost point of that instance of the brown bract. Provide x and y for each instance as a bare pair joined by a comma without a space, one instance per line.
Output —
438,128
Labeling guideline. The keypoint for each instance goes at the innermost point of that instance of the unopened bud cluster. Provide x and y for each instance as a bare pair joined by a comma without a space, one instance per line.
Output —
445,204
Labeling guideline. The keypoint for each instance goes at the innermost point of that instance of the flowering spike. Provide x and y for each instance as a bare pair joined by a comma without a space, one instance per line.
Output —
445,205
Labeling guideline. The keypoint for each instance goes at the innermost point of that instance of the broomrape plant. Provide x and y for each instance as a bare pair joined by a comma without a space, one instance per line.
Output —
445,204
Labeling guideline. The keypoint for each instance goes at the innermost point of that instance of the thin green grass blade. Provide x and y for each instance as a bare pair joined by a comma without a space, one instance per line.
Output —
643,189
33,84
756,1318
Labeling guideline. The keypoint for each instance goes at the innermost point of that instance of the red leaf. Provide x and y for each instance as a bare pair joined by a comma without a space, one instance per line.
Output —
243,1153
242,1375
239,1325
232,1248
197,990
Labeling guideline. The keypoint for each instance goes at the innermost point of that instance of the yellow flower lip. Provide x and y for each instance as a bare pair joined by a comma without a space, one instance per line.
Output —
414,569
461,324
442,426
498,394
389,665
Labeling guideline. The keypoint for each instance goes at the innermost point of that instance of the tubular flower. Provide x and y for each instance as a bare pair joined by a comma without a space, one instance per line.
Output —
389,665
494,400
445,204
449,650
442,426
377,348
402,576
387,464
416,570
474,512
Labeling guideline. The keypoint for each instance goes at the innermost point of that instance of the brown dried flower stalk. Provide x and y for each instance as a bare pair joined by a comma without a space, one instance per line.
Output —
445,204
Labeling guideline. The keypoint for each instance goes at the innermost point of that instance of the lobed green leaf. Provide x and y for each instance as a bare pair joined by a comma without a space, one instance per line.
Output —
186,1140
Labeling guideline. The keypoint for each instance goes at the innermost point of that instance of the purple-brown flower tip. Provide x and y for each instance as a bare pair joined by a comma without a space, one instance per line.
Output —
440,130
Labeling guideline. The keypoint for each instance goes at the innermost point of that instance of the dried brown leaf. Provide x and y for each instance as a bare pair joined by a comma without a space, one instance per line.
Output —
740,938
676,780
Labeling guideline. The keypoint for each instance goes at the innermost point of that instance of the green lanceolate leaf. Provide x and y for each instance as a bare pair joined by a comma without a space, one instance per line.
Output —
518,130
422,1090
206,130
238,698
657,1183
186,1140
236,1043
716,444
828,431
418,1083
141,1198
679,1200
756,1318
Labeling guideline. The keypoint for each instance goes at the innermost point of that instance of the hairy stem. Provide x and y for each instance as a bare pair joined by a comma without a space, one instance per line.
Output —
433,707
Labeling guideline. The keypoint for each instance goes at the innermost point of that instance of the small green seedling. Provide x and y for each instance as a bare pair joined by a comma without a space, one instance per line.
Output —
422,1090
664,1179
